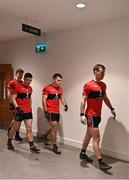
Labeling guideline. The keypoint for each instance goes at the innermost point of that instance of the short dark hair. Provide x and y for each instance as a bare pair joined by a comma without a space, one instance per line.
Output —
57,75
19,70
28,75
98,66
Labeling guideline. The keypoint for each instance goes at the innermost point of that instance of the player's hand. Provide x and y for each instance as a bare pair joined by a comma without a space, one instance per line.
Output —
83,119
19,110
66,108
113,113
47,115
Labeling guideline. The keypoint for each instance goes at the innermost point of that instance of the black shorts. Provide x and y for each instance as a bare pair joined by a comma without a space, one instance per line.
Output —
54,116
23,116
93,121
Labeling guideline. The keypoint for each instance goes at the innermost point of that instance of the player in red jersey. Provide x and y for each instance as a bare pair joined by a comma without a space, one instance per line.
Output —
21,99
94,93
10,89
52,95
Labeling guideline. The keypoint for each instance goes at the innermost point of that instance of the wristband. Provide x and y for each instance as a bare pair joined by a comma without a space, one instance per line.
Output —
82,114
112,109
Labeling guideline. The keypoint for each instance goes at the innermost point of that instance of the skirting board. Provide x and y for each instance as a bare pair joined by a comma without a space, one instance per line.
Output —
106,152
78,144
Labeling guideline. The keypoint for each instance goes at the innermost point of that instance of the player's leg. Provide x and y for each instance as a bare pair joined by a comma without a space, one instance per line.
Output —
95,133
46,135
17,136
54,127
29,134
85,143
15,127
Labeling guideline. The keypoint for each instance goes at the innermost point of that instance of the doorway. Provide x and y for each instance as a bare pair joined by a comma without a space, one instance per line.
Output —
6,74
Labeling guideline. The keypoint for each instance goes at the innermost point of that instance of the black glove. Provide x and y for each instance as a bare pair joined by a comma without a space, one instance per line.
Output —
47,115
19,110
66,108
11,107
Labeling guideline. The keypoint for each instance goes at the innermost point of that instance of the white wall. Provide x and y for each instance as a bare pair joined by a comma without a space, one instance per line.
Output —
21,53
73,54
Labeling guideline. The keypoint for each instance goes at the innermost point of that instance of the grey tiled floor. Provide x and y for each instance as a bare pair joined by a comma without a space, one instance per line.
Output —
22,164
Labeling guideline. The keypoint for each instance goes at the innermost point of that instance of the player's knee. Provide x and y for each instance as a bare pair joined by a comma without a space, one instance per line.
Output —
96,139
14,128
29,129
54,127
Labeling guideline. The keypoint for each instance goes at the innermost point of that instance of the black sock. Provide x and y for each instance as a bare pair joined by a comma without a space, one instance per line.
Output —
83,151
31,144
9,141
45,136
100,160
17,133
9,129
54,145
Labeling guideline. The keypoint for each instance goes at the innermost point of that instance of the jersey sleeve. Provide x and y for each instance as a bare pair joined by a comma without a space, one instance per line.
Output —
10,85
61,92
15,90
104,88
45,91
31,90
86,90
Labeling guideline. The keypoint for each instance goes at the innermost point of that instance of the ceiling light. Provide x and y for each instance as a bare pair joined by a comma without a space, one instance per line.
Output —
80,5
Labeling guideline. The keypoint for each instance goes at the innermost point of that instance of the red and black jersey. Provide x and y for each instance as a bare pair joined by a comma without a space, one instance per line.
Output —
53,97
94,91
23,98
11,85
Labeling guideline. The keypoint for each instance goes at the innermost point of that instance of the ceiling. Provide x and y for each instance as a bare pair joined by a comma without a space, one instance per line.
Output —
56,15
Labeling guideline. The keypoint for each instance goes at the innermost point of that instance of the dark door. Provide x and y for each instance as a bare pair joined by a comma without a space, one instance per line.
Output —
6,74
